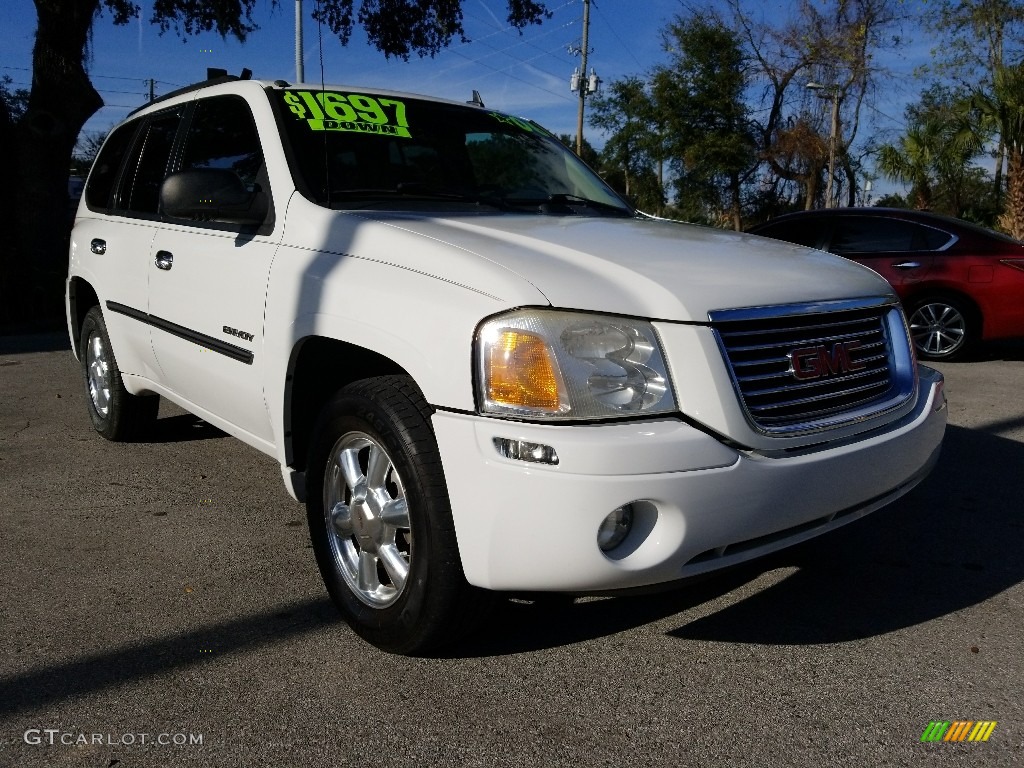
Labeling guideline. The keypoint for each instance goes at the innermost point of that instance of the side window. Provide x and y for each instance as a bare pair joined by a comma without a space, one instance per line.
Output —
147,168
799,232
859,234
223,135
107,165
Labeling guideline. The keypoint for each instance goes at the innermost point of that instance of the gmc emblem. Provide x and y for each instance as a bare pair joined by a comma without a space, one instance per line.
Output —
815,362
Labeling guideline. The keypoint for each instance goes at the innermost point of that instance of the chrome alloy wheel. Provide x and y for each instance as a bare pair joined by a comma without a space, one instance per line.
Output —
97,366
939,329
368,525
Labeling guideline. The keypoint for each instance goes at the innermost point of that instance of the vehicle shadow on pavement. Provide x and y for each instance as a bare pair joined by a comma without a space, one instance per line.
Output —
38,688
1012,350
953,542
34,342
181,429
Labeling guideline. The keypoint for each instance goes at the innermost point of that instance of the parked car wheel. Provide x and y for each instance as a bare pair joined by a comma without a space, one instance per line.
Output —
942,328
116,414
380,518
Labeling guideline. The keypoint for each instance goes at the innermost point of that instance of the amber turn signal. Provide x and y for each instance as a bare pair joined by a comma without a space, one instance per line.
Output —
521,372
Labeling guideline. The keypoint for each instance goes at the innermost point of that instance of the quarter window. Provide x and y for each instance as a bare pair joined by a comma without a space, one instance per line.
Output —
108,164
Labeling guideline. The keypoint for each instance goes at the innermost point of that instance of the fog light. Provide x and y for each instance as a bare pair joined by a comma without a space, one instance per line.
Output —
521,450
615,528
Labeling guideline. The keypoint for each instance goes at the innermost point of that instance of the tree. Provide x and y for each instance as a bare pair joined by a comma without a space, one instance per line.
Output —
707,131
62,99
977,40
936,154
832,42
627,113
1001,109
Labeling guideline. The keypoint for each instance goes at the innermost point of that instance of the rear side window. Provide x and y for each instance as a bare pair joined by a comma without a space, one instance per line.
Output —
864,234
107,166
147,167
798,231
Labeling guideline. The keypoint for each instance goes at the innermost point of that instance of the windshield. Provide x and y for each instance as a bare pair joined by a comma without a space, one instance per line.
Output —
359,151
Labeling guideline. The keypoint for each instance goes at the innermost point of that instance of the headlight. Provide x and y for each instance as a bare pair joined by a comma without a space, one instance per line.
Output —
546,364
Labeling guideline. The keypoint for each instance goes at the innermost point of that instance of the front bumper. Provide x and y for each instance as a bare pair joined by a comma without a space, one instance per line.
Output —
700,505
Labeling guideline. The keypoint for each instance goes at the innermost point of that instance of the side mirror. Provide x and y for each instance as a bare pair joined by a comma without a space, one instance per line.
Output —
212,194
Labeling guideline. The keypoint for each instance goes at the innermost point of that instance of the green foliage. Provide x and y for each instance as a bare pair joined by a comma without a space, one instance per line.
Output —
401,27
977,37
936,155
395,27
709,139
1000,110
627,112
13,101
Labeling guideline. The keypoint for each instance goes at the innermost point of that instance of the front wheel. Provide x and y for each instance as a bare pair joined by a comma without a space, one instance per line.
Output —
116,414
942,329
380,519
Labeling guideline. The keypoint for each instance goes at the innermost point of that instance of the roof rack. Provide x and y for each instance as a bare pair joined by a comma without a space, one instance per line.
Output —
213,77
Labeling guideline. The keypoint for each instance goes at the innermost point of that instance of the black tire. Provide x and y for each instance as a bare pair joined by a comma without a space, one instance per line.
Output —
116,414
369,525
943,328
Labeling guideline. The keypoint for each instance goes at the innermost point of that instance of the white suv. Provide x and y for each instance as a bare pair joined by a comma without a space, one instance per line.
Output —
479,367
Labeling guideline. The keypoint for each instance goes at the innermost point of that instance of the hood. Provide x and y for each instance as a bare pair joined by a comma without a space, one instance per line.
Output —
650,268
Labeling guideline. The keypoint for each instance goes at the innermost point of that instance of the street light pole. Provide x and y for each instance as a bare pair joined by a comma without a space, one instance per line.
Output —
832,92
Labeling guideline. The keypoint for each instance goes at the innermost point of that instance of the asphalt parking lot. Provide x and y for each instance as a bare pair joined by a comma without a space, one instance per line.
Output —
161,607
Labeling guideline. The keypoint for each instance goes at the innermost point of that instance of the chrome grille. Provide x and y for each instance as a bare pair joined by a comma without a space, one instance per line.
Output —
812,367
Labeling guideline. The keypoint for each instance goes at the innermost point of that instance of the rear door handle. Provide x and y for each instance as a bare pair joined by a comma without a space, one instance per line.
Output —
97,246
907,265
164,260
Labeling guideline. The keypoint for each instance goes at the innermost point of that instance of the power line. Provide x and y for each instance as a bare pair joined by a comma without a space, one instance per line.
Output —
514,77
616,35
92,76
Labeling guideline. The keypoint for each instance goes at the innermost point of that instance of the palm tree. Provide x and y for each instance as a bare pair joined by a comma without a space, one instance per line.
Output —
1001,111
935,157
1005,109
913,162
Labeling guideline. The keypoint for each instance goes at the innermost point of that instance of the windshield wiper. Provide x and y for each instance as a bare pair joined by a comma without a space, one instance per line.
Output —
568,203
412,190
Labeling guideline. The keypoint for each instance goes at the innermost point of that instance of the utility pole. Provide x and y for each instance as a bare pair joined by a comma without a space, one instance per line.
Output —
300,74
580,82
152,88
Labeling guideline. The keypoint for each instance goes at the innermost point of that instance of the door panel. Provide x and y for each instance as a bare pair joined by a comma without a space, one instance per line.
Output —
206,313
208,279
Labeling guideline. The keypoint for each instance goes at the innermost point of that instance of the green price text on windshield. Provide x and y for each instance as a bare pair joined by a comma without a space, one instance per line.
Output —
353,112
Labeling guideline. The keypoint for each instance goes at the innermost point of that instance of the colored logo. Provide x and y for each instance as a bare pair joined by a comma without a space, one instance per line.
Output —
819,361
958,730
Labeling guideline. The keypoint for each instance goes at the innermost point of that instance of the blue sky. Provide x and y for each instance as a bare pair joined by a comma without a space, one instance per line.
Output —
524,74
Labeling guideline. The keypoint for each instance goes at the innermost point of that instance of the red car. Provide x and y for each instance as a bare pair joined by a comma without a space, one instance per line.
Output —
960,283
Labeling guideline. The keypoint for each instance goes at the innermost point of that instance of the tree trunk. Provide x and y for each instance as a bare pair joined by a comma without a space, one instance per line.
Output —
736,202
1012,219
811,189
62,99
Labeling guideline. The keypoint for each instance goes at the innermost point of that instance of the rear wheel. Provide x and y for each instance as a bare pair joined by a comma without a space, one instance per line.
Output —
380,519
942,328
116,414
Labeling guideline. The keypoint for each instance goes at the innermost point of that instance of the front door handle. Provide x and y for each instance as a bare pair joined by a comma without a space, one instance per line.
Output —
97,246
164,260
907,265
